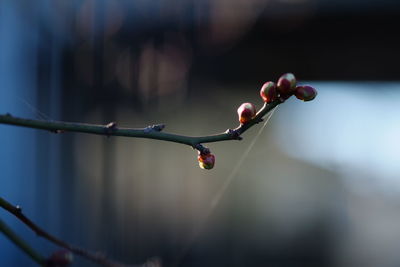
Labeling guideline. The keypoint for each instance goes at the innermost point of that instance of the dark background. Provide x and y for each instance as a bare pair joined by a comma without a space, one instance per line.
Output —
189,64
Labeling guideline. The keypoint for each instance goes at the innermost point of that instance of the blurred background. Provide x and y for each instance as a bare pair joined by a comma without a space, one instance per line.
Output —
319,188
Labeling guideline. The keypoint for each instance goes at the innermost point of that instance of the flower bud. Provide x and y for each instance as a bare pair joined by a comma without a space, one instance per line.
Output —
206,161
268,92
246,112
60,258
287,84
305,92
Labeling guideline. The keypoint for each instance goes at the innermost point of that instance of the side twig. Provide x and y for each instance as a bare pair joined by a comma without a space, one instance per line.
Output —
97,257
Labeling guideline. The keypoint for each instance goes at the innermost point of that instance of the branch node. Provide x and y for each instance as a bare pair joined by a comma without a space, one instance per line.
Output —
258,120
110,128
111,125
202,149
154,128
158,127
18,208
234,134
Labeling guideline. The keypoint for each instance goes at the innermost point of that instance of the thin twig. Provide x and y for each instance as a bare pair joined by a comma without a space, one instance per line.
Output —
21,243
97,257
151,132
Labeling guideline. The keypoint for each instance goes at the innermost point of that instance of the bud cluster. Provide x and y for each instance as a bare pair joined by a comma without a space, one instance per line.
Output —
285,88
270,92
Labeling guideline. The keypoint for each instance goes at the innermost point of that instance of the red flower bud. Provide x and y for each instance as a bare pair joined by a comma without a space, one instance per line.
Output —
305,92
287,84
60,258
206,161
268,92
246,112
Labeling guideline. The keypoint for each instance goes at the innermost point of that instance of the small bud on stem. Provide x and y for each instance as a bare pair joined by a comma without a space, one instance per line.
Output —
286,84
268,92
246,112
206,161
305,92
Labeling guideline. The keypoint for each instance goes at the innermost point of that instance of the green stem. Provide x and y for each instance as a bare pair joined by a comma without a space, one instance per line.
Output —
21,243
151,132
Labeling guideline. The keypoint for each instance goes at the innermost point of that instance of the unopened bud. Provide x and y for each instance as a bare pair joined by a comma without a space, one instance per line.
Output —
268,92
305,92
246,112
287,84
206,161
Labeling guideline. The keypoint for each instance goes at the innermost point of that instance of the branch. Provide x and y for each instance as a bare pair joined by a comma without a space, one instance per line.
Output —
151,132
97,257
21,243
